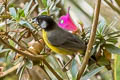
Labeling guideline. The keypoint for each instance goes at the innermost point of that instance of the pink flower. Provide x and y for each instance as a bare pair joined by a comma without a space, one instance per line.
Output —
66,22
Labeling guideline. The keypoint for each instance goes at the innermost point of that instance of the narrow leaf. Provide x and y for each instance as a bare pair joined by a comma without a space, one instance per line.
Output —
26,24
117,67
116,32
13,12
44,3
112,49
27,7
4,50
29,64
74,69
92,73
21,72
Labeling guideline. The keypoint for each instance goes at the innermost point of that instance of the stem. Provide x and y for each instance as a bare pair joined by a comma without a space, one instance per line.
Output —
118,2
64,67
30,56
91,41
22,36
6,14
24,48
52,70
10,70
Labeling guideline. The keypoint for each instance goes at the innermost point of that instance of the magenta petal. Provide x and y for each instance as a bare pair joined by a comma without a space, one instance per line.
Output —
66,23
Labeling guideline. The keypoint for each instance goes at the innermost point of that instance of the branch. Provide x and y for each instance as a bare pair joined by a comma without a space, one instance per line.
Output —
6,13
24,48
118,2
10,70
33,57
91,41
30,56
52,70
6,16
113,7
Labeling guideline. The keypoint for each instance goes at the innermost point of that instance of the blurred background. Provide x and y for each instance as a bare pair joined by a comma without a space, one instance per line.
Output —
16,15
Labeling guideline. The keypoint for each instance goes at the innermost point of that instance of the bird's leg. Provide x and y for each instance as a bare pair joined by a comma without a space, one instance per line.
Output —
64,67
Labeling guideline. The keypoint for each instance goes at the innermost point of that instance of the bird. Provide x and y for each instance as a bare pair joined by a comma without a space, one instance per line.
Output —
57,39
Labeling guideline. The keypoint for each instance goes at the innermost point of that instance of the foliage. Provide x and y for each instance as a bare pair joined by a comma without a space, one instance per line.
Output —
116,67
17,30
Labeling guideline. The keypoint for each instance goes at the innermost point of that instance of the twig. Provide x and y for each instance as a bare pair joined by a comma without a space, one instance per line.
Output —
34,36
113,7
31,56
24,48
22,36
118,2
45,71
6,14
64,67
91,41
10,70
52,70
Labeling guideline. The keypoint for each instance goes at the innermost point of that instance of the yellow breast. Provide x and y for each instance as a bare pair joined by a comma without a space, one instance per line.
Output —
54,48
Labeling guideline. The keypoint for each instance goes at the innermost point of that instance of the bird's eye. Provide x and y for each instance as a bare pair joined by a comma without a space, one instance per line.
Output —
61,21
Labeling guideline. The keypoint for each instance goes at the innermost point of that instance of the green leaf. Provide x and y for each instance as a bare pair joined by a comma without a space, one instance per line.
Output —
21,13
112,49
33,8
113,33
113,40
26,24
74,69
55,65
43,12
1,47
21,72
51,5
44,3
101,26
11,42
92,73
20,67
49,2
13,12
4,50
29,64
1,9
117,67
102,61
20,59
94,49
27,7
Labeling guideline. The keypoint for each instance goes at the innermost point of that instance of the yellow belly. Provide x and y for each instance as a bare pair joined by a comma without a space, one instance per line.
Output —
55,49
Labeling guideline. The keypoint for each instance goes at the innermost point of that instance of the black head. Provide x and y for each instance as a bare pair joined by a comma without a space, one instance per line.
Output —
45,22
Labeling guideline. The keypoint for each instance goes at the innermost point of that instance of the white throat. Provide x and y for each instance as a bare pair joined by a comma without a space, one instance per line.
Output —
44,24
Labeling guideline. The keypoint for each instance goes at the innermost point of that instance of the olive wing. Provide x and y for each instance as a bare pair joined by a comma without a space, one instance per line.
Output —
66,40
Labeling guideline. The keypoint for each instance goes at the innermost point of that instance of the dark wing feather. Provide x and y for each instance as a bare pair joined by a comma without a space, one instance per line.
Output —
63,39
